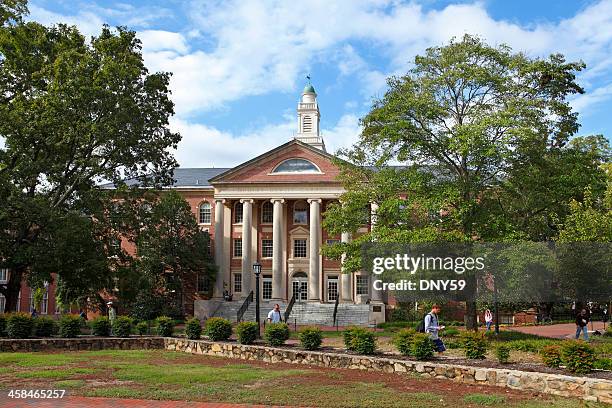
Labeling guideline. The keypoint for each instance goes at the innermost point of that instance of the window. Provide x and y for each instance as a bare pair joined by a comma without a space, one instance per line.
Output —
44,305
31,300
3,276
205,213
300,212
267,213
237,247
19,302
331,242
237,283
266,248
297,166
266,289
299,248
307,124
362,284
332,288
238,213
203,282
2,303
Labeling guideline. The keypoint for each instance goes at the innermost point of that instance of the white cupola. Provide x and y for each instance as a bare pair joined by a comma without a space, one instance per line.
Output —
309,119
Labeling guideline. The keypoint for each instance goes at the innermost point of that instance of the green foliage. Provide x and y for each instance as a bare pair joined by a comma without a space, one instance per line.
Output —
474,344
142,328
400,314
193,329
502,352
403,341
2,325
603,364
165,326
422,346
122,326
531,346
276,334
246,332
359,340
451,332
218,329
608,332
19,325
551,355
101,326
70,325
311,338
44,326
578,357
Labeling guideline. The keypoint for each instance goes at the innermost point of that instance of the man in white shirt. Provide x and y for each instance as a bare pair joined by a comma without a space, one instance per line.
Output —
433,327
275,315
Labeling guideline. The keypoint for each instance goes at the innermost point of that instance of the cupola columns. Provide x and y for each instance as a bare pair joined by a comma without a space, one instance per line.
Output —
309,119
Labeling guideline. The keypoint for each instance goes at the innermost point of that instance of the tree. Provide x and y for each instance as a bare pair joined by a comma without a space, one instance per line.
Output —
462,123
11,11
172,250
73,113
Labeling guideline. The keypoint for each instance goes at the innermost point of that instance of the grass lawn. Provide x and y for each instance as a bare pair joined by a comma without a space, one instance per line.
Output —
163,375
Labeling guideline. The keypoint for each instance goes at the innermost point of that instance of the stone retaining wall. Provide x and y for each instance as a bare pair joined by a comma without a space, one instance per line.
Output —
563,385
81,343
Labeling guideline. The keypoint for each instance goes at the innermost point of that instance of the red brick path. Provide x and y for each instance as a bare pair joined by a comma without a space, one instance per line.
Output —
85,402
560,331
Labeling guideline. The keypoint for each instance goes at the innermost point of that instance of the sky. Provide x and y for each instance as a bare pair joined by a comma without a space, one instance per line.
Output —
239,66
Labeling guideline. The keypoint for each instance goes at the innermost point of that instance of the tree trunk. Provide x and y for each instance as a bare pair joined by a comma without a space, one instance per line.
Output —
12,290
471,322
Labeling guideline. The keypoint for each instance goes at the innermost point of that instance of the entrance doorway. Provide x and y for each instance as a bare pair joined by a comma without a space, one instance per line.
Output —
332,288
299,286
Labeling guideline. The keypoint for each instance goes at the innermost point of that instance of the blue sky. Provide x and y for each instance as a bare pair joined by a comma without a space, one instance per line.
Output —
239,66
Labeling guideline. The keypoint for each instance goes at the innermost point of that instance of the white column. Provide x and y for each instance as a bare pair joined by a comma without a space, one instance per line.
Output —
277,248
346,277
376,294
315,265
247,218
219,229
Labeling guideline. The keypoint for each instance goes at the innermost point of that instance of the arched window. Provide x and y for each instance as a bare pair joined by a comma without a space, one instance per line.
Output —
307,124
297,166
238,213
267,213
300,212
205,213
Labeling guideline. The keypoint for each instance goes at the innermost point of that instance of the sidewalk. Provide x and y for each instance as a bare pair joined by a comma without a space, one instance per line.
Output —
559,331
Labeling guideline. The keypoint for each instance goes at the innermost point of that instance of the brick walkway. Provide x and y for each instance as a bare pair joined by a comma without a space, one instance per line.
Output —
559,331
84,402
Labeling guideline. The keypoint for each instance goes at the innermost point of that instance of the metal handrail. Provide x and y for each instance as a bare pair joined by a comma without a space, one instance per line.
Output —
336,308
290,307
244,307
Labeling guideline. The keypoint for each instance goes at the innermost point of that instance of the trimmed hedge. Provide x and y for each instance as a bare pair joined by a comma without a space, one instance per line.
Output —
578,356
19,325
100,326
551,356
360,340
44,326
218,329
246,332
503,354
142,328
122,326
311,338
193,329
422,347
276,334
403,341
2,325
474,344
70,325
165,326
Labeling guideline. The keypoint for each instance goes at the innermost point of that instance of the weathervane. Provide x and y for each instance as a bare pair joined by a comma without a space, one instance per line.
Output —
308,78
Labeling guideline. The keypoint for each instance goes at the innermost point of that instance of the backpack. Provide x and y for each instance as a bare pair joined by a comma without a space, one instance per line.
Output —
421,327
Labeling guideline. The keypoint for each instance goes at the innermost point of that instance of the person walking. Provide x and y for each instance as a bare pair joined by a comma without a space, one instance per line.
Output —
488,319
582,321
275,315
433,327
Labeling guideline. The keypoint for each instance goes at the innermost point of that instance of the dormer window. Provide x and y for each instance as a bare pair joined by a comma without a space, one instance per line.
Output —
296,166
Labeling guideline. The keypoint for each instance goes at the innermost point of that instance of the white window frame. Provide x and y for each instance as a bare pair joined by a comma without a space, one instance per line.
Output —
237,282
266,287
237,205
202,214
359,286
268,247
305,211
236,247
293,247
267,212
4,275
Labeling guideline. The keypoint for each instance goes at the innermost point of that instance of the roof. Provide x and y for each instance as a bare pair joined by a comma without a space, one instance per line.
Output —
309,89
186,177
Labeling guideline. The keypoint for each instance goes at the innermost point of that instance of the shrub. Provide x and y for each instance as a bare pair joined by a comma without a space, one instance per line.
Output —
19,325
247,332
604,364
399,315
403,341
165,326
608,332
276,334
44,326
359,340
193,329
142,328
122,326
311,338
100,326
218,328
451,332
503,354
70,325
578,356
2,325
422,347
551,355
474,344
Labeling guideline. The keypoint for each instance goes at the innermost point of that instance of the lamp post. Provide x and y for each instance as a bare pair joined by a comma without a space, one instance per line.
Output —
257,271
